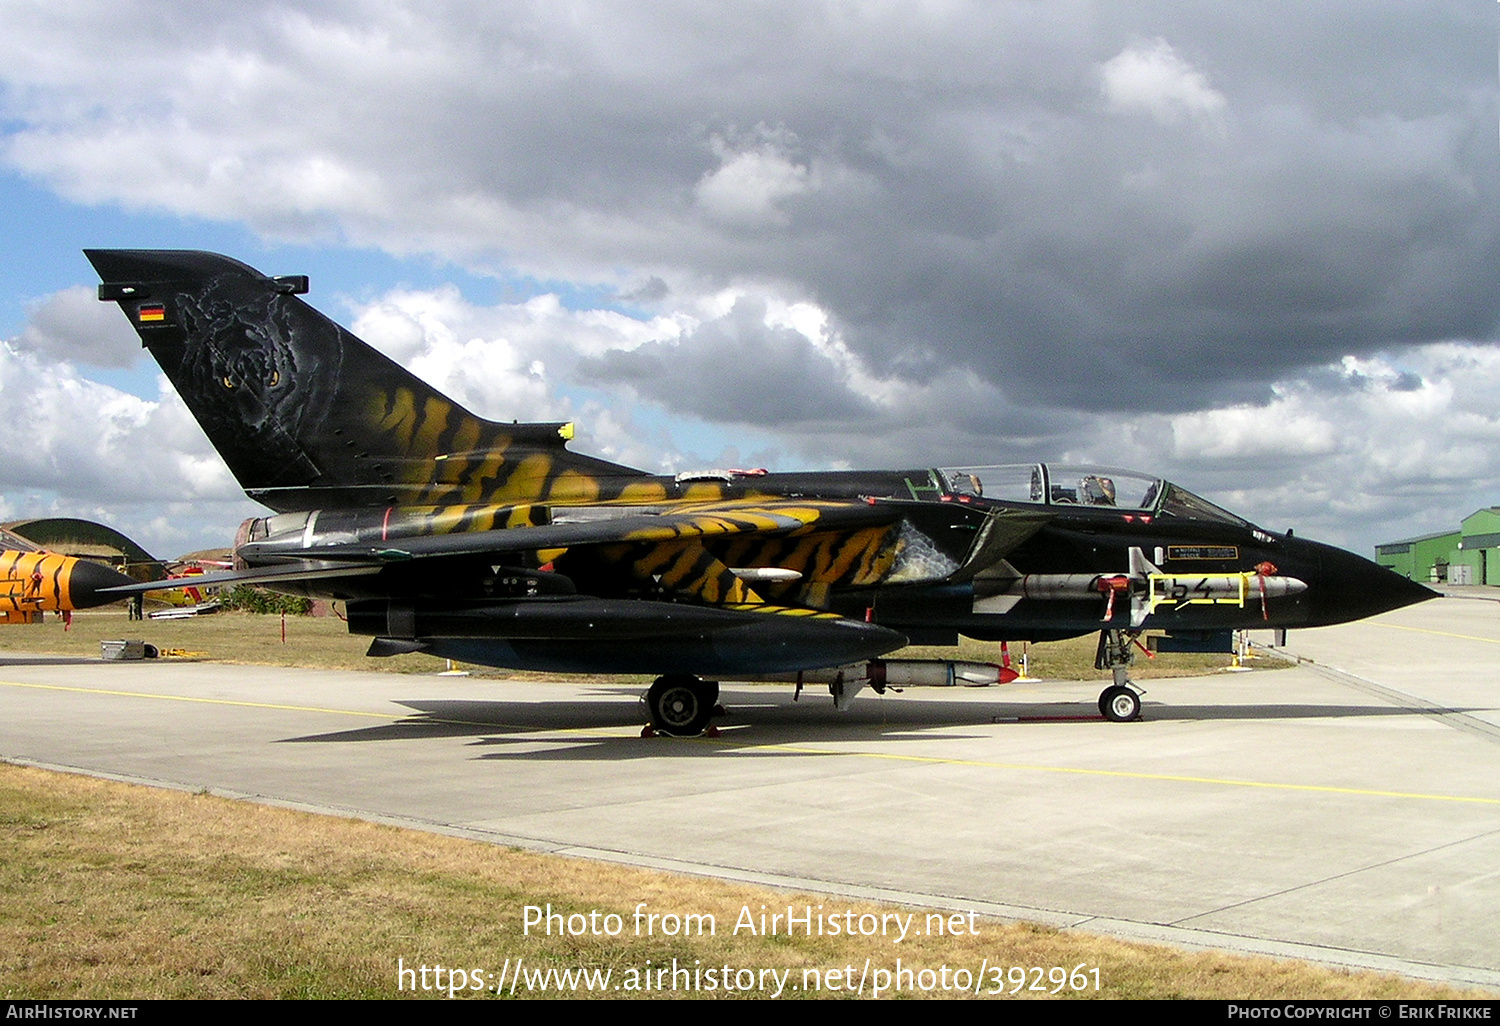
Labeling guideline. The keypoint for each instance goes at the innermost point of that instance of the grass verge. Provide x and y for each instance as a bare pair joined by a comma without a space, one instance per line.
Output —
323,642
118,891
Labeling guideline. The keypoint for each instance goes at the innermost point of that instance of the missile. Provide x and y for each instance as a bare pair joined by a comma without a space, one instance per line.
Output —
1146,587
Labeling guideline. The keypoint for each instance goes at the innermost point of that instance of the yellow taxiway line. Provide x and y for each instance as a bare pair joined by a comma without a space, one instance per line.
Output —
731,745
1127,774
1443,634
190,698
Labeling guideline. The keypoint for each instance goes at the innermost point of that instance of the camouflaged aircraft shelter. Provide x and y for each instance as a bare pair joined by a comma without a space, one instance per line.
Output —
86,539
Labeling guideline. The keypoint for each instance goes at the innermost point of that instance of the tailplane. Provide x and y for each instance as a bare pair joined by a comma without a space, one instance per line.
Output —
306,415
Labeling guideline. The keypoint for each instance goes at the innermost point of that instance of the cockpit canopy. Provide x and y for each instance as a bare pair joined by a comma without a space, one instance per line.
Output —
1062,485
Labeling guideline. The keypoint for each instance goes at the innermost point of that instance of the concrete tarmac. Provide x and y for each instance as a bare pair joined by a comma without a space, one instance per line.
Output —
1345,811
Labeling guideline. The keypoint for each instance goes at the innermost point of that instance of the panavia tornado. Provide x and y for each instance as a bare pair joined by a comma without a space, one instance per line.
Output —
494,544
34,581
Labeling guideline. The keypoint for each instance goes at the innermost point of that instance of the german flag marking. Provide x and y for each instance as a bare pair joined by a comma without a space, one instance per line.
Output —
148,313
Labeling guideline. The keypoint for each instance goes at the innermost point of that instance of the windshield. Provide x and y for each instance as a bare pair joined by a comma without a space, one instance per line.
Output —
1182,503
1056,485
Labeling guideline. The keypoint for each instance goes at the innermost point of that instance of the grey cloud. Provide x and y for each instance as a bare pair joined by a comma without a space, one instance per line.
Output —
953,185
962,187
652,290
73,325
735,368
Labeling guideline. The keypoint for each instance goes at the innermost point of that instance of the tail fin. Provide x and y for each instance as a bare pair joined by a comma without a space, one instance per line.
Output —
306,415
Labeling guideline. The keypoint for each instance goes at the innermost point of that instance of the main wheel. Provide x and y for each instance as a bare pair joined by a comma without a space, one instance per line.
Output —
681,706
1120,704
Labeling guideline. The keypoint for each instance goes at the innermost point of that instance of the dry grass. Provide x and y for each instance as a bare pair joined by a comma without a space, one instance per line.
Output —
117,891
313,641
325,643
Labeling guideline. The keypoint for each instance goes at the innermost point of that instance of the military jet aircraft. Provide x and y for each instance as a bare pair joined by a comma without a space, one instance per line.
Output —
494,544
34,581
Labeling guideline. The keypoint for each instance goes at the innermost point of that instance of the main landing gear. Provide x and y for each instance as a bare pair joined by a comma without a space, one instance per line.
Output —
1121,701
682,706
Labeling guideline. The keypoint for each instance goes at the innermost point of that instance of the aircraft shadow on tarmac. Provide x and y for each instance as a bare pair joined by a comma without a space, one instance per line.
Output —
760,719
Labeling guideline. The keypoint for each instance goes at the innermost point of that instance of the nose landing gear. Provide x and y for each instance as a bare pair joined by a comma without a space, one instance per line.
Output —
1121,701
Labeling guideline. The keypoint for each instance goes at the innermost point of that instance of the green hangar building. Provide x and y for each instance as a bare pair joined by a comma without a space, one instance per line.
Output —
1470,555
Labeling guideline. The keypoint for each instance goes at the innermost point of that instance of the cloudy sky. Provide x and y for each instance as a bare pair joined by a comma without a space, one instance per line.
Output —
1254,248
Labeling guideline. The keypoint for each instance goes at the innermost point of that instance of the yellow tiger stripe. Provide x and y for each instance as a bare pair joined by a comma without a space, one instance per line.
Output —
489,469
816,593
658,556
849,551
527,480
803,555
816,614
572,486
434,422
465,440
400,418
683,565
523,516
637,492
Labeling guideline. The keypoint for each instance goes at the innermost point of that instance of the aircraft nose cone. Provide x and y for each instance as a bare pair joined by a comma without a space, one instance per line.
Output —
87,579
1344,587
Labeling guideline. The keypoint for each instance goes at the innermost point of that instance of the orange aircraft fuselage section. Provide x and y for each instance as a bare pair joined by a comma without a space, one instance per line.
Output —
35,582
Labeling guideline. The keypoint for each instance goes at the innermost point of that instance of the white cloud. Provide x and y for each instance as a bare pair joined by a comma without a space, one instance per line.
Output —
1152,78
1363,450
81,448
1283,428
78,437
750,182
504,361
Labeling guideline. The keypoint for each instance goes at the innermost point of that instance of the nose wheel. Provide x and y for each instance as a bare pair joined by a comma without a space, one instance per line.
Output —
1121,701
681,706
1120,704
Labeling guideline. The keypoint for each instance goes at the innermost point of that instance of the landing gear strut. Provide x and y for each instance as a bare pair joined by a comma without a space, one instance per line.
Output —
681,705
1121,701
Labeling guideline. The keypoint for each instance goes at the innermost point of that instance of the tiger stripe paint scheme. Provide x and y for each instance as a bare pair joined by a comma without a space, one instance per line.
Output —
38,582
494,543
